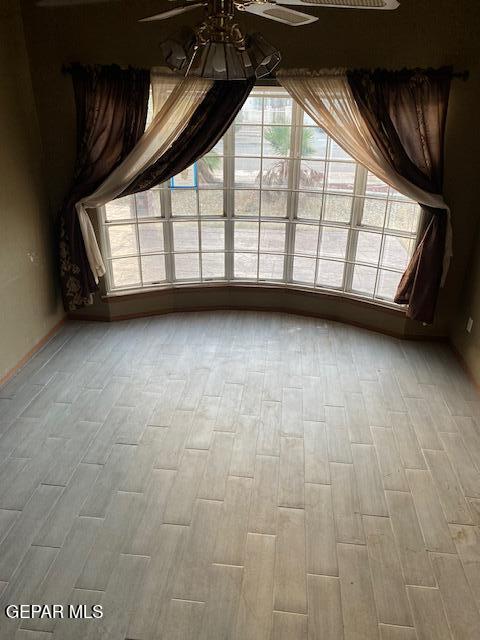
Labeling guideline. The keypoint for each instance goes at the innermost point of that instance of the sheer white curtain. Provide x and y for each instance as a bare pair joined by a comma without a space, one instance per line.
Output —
328,100
174,102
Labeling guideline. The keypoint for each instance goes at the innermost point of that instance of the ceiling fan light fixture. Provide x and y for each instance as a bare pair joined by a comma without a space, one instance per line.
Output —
264,57
174,54
220,61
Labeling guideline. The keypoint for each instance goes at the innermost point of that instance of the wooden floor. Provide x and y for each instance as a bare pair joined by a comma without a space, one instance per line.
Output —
241,476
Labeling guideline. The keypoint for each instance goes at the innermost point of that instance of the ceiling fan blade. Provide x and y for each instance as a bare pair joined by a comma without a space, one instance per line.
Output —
173,12
69,3
383,5
280,14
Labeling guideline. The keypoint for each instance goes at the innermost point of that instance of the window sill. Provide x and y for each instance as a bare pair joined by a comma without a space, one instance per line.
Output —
323,294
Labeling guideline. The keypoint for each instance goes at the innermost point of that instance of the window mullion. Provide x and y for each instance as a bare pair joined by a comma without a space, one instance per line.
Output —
293,185
357,214
166,206
229,198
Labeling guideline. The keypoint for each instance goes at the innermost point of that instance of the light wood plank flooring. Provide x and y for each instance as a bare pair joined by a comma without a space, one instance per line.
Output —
241,476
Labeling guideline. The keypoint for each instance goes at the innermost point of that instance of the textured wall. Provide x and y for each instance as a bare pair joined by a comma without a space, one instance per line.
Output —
29,301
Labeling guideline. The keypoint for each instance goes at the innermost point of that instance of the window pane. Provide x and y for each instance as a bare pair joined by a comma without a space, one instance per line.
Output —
312,175
341,176
211,202
148,204
251,110
247,171
186,178
337,153
306,238
277,110
248,140
310,205
364,279
304,270
403,216
387,284
153,269
338,208
271,267
213,265
186,266
213,236
121,209
125,272
314,143
272,237
333,242
123,240
247,203
151,237
330,274
185,236
275,173
184,202
375,187
274,203
373,212
246,235
210,171
245,265
396,252
368,247
276,141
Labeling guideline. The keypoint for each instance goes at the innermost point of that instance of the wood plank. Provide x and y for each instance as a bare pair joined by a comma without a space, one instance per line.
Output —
391,468
408,446
358,605
244,447
289,626
448,487
460,607
430,514
429,615
316,453
320,530
263,510
346,504
212,486
388,584
223,601
369,483
290,591
467,542
292,413
232,528
324,608
410,543
291,489
181,499
254,618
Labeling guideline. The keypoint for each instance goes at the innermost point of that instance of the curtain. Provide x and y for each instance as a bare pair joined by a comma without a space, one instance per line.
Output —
406,114
111,107
174,112
207,126
331,101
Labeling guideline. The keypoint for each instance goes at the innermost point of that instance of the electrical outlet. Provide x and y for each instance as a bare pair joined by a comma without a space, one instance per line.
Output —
469,325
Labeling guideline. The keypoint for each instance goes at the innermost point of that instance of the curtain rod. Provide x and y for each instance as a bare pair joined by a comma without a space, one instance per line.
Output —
460,75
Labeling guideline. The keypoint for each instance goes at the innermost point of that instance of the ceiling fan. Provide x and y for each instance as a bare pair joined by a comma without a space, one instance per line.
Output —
217,49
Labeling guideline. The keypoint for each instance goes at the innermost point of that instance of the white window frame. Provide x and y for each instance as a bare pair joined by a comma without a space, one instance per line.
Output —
353,227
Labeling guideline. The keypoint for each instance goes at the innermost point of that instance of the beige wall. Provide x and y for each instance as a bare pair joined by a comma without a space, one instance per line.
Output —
420,33
29,301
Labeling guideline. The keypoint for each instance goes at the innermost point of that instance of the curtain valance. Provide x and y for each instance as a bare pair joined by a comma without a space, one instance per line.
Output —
394,124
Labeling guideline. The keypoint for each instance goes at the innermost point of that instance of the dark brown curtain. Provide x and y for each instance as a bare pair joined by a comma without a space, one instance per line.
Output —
111,106
210,121
405,112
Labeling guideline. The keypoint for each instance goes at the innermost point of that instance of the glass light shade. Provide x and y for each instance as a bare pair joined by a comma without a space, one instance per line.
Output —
263,55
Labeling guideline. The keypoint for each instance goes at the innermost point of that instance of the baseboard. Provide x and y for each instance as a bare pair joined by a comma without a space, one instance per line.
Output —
41,343
462,362
321,316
